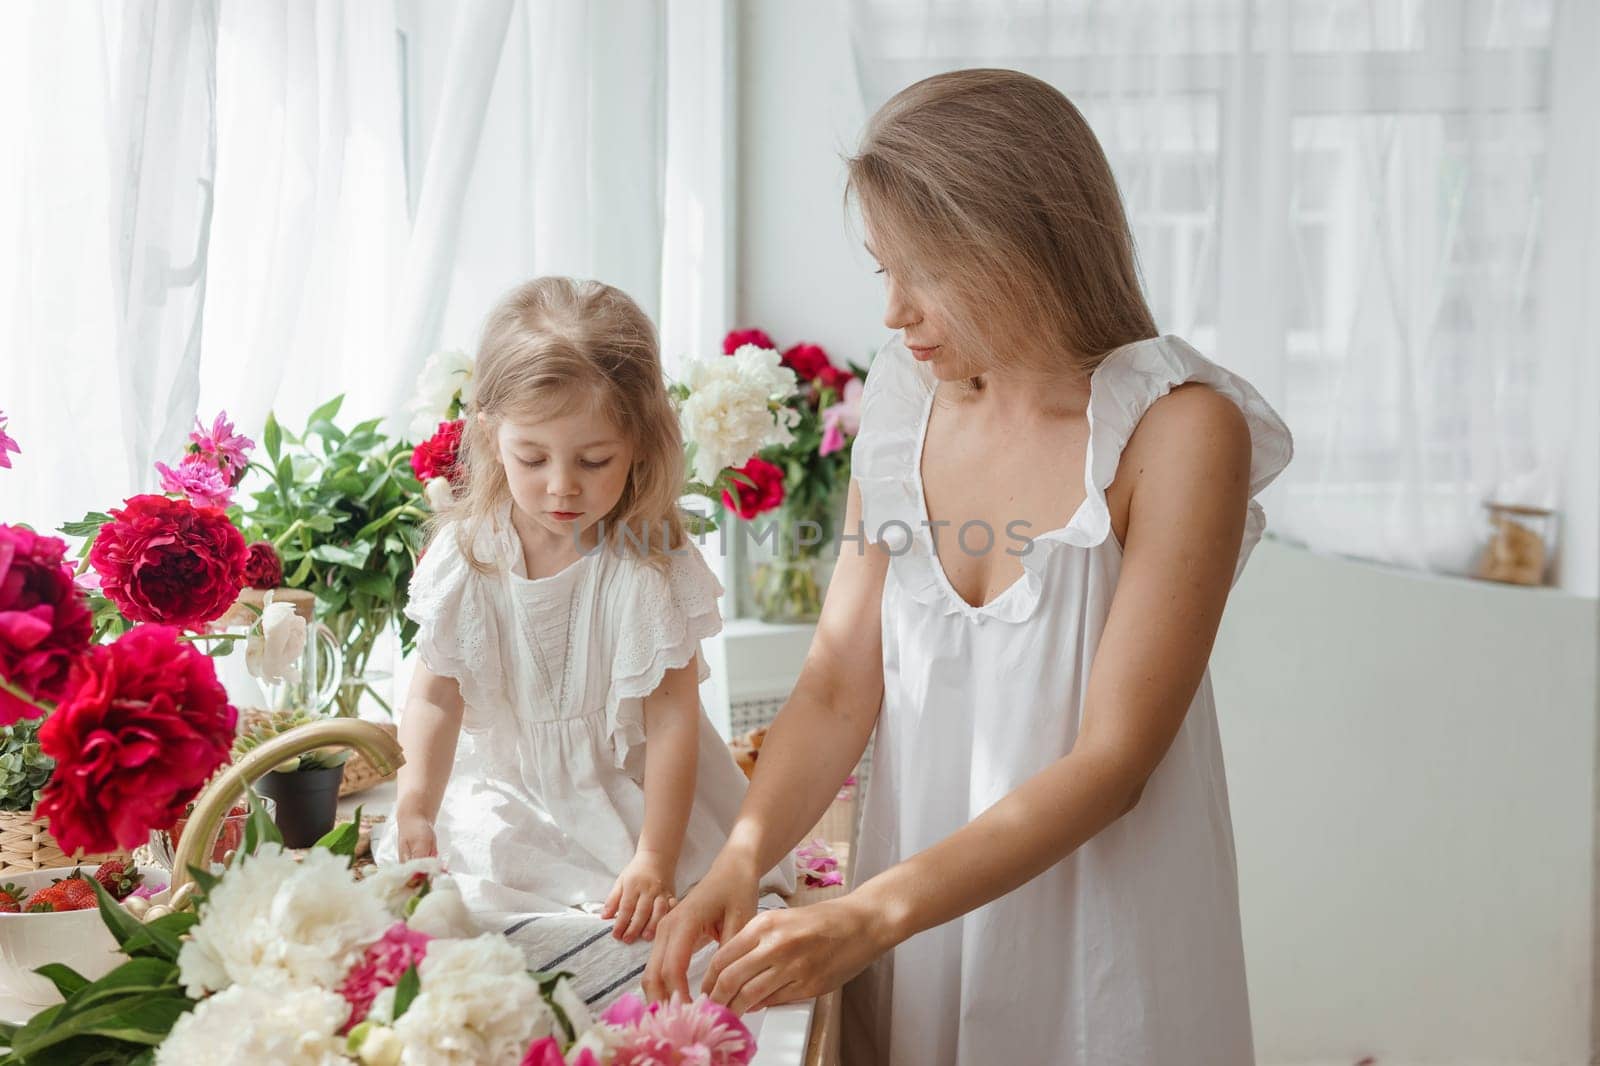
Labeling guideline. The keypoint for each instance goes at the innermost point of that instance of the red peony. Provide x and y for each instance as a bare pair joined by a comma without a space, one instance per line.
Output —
142,726
811,363
167,561
835,378
436,456
44,620
740,337
807,361
262,567
760,497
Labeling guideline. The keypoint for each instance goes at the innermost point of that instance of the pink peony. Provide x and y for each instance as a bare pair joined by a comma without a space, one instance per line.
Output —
544,1052
740,337
384,963
45,623
229,452
624,1012
701,1033
818,865
6,443
842,420
199,480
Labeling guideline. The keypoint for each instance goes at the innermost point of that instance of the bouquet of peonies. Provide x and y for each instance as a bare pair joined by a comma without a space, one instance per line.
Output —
296,959
133,727
799,478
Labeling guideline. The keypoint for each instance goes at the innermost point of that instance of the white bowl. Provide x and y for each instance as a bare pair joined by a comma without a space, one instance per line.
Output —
78,939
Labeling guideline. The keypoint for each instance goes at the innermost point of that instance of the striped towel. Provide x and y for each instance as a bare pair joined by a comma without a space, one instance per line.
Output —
603,967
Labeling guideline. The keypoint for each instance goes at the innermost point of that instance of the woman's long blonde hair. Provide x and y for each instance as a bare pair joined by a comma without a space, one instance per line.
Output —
989,188
553,345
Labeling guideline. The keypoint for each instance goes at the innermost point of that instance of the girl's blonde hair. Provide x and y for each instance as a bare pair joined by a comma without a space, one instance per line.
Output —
554,345
988,187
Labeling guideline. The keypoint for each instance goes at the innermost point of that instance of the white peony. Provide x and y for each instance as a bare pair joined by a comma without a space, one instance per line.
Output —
443,375
376,1045
391,883
273,921
477,1005
736,406
273,649
438,493
572,1005
443,913
252,1024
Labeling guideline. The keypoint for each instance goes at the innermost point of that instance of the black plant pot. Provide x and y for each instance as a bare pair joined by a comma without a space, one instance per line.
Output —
307,803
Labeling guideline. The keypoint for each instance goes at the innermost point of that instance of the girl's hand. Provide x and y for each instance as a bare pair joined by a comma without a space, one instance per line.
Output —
641,897
788,956
416,838
715,909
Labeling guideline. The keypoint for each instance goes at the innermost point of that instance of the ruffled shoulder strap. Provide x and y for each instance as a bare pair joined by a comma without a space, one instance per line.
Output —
1123,388
884,457
662,615
464,630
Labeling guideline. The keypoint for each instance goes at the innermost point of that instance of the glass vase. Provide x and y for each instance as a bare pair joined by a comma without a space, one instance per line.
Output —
789,586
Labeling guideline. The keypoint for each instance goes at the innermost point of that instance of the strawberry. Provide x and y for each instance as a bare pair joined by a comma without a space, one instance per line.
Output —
118,878
70,893
11,897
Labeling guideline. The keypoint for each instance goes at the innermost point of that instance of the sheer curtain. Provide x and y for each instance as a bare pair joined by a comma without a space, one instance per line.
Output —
107,115
304,198
1358,205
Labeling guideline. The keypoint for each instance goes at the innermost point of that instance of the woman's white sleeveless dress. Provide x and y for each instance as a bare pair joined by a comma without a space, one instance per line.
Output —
1127,952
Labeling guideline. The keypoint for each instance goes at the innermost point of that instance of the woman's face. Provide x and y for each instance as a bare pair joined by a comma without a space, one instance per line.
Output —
915,308
565,473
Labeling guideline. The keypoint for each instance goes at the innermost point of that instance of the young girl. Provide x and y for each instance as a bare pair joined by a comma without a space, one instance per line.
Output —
560,608
1045,866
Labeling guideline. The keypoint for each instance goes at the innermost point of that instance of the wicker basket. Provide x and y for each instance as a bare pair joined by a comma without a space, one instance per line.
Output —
27,845
359,774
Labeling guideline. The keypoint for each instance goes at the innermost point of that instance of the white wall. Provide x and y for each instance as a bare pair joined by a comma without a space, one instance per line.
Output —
803,275
1412,768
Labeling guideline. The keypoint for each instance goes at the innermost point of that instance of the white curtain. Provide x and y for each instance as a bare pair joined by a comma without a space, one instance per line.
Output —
373,175
1356,204
107,116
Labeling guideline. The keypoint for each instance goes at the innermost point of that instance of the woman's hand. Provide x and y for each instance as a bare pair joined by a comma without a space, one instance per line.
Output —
416,837
715,909
785,956
641,897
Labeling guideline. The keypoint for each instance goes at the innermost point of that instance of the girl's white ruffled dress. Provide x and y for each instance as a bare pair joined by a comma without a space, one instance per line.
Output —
546,800
1128,951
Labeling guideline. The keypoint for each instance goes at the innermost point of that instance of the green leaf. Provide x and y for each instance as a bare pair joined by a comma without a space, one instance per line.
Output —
272,438
332,553
87,527
205,879
327,431
259,828
342,838
301,572
326,412
405,990
65,978
123,925
162,938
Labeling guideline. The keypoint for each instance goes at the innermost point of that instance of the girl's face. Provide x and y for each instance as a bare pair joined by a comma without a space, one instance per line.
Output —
565,473
916,310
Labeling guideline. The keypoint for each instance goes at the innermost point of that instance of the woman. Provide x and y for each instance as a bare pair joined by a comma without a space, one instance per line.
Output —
1045,870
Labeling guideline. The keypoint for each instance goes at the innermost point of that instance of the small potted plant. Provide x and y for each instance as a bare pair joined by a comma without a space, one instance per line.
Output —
304,790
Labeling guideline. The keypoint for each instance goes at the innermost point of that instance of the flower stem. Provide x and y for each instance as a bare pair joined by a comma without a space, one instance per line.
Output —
12,690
